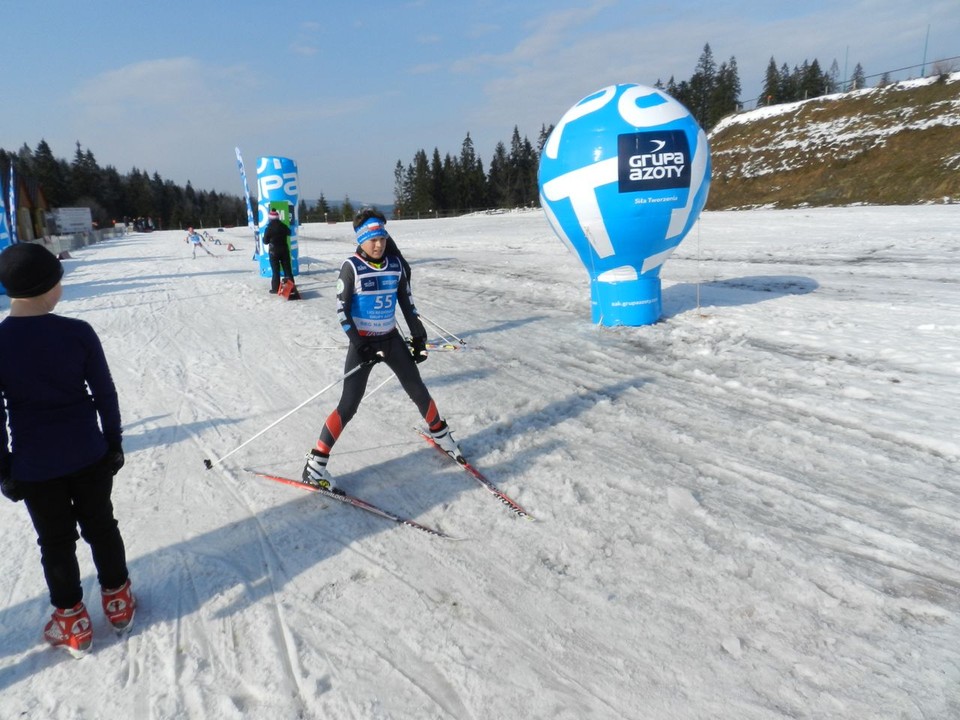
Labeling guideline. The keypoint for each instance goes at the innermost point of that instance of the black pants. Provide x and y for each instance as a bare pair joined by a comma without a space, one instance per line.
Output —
56,507
277,262
397,358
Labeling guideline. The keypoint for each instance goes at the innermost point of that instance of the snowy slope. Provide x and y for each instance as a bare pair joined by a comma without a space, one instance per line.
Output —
748,510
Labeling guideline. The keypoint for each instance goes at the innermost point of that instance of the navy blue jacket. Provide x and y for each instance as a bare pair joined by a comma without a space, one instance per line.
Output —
55,384
275,235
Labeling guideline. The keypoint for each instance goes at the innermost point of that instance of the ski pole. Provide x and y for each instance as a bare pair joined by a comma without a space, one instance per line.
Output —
446,332
209,464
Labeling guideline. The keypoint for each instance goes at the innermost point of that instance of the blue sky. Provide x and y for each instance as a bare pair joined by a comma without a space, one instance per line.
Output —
348,88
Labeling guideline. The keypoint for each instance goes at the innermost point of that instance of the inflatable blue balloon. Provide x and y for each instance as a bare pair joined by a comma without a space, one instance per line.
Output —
623,178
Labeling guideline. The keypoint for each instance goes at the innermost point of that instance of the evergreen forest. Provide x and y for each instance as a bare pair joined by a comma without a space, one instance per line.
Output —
113,197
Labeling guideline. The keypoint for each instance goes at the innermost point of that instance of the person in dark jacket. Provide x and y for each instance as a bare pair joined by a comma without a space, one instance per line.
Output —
64,445
277,237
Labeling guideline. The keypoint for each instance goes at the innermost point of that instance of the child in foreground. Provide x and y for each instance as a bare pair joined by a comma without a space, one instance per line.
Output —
64,445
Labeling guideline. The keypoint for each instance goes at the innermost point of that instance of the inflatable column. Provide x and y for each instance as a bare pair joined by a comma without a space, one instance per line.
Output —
279,189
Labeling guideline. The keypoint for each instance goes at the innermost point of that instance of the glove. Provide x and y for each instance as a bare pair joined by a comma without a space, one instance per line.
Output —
418,346
10,488
368,354
114,459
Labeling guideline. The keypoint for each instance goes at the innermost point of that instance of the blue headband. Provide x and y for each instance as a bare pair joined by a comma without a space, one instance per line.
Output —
372,228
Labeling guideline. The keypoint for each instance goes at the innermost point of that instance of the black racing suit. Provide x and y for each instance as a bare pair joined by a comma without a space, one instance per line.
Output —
394,350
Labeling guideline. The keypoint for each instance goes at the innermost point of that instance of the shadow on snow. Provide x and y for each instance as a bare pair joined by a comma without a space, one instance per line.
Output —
264,552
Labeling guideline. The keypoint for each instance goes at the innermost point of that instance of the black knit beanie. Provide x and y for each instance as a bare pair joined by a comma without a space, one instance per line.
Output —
28,270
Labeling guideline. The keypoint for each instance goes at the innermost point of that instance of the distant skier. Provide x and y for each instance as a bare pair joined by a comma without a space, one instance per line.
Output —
65,444
371,285
277,237
196,241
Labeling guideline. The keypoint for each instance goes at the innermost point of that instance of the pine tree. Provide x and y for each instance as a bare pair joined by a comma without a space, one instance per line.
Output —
167,202
112,194
833,83
788,91
140,194
516,170
84,174
421,200
701,89
346,209
52,175
542,138
681,93
438,189
726,93
498,183
672,90
531,191
813,82
472,178
401,191
451,182
858,79
770,95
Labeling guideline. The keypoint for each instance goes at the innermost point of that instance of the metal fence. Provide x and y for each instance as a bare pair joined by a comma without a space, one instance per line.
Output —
58,244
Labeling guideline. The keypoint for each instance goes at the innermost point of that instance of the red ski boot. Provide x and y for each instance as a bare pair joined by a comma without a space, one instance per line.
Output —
71,630
119,606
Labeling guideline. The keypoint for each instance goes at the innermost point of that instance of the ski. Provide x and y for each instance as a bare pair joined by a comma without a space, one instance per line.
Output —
512,504
355,502
332,346
438,346
445,347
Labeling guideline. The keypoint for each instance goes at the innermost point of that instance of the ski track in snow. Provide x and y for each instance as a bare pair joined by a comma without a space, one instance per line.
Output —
746,510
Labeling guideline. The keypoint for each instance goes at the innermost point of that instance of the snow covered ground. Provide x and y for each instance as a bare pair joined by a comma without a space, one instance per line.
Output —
748,510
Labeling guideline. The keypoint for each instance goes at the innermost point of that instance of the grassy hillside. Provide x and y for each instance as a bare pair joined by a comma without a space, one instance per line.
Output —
890,146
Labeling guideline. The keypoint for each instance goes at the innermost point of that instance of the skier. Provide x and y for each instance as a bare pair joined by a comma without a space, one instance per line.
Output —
371,285
277,236
55,385
194,238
